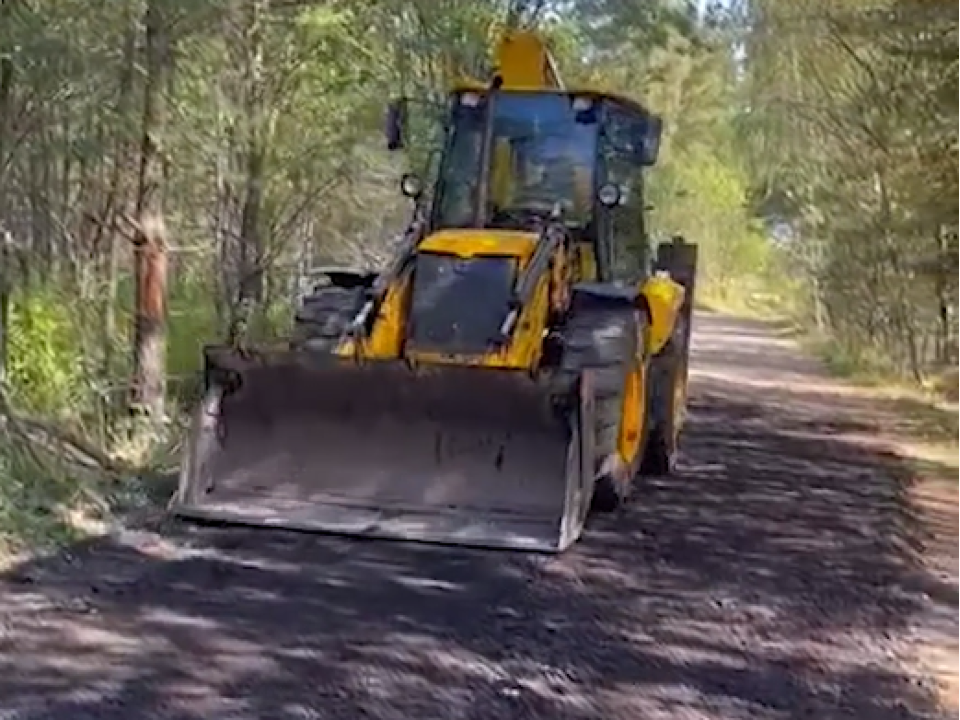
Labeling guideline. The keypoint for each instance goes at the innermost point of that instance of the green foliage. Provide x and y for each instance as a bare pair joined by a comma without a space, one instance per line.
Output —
192,322
46,365
853,141
704,199
701,187
835,119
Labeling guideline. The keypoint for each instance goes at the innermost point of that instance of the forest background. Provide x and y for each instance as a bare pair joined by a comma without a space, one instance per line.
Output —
169,157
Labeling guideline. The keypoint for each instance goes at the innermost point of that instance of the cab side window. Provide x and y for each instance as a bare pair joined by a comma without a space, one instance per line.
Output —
460,171
626,226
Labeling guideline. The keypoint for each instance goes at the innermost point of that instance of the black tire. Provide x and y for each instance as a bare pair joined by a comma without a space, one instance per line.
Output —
603,339
324,316
660,451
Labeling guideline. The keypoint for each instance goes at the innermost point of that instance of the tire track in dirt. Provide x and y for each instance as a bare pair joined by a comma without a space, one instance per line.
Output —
770,579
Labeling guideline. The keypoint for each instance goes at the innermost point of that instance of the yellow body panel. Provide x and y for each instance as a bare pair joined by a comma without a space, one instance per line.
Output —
474,243
386,339
664,296
523,61
525,348
586,263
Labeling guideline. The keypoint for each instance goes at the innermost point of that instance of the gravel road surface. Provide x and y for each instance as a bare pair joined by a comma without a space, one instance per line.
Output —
772,578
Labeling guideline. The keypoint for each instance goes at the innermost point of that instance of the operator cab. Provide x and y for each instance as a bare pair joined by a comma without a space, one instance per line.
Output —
515,158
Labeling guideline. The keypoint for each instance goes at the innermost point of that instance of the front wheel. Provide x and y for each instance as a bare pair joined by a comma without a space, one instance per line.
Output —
324,316
606,340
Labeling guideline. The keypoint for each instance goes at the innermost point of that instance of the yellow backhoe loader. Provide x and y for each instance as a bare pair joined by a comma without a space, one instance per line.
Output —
521,359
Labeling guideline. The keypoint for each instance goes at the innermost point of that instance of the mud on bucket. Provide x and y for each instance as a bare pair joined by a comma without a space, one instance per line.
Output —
469,456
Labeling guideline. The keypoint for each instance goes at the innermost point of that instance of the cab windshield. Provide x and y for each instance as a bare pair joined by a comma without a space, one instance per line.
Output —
542,151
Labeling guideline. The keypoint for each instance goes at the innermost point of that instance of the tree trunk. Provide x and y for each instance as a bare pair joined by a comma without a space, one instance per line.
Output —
251,240
150,243
6,258
116,198
6,290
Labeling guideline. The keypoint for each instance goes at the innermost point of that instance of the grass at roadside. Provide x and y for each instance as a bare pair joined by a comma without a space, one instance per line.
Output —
40,501
923,420
926,416
55,490
758,305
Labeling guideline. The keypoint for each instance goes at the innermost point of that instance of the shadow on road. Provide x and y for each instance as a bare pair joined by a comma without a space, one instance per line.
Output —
773,578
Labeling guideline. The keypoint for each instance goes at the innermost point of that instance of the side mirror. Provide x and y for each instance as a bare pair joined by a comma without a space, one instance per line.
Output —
411,186
395,124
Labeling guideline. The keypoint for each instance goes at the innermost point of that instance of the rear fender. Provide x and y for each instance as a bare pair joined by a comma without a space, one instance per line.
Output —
386,336
597,295
594,294
663,297
346,277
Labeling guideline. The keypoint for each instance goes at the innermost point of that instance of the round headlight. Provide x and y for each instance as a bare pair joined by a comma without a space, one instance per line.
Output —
609,195
411,185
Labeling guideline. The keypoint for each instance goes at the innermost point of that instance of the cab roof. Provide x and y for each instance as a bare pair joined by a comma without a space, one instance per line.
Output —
581,91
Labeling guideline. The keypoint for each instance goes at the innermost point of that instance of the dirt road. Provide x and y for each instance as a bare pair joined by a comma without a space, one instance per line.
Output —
772,579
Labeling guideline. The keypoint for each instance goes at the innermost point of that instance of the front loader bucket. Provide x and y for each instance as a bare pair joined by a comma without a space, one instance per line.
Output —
467,456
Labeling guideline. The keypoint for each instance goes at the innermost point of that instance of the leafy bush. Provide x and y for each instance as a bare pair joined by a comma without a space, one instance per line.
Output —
46,364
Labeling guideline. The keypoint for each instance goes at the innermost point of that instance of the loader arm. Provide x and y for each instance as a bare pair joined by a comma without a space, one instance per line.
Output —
552,238
399,264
